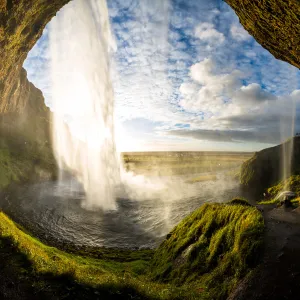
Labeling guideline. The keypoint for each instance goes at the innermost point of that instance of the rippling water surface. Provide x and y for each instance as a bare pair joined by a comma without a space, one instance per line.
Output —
53,210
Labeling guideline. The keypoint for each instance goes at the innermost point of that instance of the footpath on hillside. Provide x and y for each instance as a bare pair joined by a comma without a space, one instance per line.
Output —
278,276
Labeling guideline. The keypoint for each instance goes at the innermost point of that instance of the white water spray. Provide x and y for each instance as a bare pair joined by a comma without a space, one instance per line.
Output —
83,122
288,130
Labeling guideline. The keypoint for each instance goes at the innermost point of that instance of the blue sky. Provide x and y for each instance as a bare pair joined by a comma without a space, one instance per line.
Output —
187,76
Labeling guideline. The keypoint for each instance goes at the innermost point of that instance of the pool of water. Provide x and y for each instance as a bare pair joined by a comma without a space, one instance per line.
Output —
54,211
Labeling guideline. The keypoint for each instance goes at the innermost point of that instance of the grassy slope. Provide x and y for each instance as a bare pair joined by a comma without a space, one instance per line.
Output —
225,239
105,275
212,249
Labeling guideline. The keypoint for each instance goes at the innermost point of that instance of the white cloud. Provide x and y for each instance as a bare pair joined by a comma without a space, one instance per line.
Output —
208,95
253,94
250,54
220,95
187,88
152,79
203,73
207,33
239,33
254,120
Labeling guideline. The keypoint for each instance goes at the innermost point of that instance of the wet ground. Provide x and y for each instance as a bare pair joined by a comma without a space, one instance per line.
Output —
278,276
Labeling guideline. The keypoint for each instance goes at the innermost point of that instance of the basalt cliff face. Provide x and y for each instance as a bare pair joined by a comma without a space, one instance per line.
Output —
25,143
266,168
275,24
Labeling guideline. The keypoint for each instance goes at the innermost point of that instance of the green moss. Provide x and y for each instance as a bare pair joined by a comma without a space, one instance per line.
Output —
239,201
248,171
267,169
108,275
267,202
10,168
213,248
20,162
204,257
274,24
292,184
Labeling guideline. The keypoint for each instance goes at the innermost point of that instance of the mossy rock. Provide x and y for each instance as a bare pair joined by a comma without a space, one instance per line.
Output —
215,246
266,169
239,201
275,24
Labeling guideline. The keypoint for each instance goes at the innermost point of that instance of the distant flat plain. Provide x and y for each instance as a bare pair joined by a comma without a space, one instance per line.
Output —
183,163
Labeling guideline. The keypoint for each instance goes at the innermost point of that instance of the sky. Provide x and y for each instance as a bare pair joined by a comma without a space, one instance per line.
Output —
188,77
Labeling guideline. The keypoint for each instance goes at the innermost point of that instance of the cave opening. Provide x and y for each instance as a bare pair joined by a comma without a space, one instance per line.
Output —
142,115
182,87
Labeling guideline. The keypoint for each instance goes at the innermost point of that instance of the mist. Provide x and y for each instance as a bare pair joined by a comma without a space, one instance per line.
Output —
83,119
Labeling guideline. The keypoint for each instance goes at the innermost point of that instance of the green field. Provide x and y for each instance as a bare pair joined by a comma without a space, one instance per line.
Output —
180,163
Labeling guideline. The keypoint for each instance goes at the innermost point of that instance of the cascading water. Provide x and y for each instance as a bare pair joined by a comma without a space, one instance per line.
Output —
288,130
83,119
83,122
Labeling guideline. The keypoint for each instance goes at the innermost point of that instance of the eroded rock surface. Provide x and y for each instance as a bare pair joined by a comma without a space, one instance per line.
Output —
266,167
21,25
25,145
275,24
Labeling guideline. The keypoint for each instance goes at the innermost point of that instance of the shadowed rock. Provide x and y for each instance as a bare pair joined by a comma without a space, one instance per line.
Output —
24,118
266,167
275,24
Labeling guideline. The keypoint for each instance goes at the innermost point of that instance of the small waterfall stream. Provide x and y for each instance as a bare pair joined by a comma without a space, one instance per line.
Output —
288,131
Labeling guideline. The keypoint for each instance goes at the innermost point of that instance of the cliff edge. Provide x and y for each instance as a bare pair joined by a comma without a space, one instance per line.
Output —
25,146
270,166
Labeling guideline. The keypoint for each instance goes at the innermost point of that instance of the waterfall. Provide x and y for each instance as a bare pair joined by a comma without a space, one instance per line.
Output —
83,102
288,130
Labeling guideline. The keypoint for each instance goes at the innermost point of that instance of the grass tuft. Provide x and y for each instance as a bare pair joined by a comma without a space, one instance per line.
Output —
239,201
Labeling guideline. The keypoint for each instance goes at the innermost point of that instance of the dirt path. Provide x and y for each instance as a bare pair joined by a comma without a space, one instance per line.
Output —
278,277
